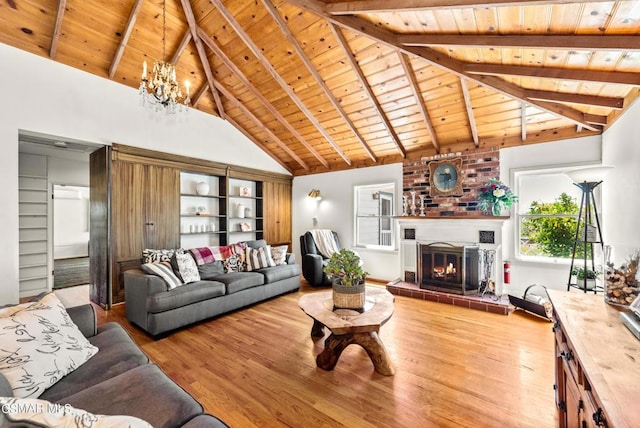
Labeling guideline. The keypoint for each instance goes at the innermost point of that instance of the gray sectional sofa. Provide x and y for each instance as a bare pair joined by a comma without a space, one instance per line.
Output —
157,310
120,380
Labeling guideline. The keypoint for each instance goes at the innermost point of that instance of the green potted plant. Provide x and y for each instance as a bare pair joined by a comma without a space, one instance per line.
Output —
344,268
580,274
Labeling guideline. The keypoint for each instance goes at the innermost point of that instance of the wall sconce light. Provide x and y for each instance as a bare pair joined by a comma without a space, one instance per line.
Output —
375,195
315,194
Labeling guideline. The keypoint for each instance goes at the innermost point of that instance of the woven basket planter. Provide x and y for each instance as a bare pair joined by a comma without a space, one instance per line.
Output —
348,297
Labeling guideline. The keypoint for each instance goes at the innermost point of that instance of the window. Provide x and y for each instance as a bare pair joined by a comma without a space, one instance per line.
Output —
374,210
547,215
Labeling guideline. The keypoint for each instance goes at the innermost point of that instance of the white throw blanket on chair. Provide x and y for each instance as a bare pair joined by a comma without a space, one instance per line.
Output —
325,242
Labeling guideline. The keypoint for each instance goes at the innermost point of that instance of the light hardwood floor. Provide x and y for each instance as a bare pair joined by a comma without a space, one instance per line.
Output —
454,367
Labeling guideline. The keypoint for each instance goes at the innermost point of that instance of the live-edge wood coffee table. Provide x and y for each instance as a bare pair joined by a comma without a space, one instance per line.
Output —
350,327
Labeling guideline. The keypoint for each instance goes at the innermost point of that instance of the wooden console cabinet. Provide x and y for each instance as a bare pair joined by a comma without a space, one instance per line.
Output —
597,363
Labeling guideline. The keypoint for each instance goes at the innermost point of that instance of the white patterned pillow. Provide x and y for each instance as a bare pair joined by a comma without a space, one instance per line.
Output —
164,271
41,413
39,346
187,268
258,258
279,254
158,256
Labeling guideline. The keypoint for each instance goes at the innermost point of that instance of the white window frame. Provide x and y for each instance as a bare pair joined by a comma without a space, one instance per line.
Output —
515,179
392,198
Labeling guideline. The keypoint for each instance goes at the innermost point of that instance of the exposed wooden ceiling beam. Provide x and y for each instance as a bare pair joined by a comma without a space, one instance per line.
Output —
378,6
267,104
469,107
257,121
519,93
523,120
57,29
135,10
365,86
257,142
191,20
554,73
532,41
199,94
563,97
417,94
438,59
257,52
303,56
181,47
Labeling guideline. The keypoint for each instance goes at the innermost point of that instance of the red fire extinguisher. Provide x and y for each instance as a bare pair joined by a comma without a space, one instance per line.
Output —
507,272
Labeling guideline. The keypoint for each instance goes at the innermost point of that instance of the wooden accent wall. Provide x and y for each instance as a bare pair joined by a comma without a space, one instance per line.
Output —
136,200
478,166
99,238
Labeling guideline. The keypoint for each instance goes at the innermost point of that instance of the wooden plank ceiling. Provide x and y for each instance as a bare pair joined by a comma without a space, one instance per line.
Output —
344,84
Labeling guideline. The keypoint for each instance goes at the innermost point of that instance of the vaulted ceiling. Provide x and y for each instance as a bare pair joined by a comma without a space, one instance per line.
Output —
329,85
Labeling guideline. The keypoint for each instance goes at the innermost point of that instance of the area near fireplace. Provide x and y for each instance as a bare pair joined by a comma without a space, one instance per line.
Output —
445,259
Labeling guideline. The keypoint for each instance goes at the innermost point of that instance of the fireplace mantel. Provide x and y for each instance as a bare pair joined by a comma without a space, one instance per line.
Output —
470,217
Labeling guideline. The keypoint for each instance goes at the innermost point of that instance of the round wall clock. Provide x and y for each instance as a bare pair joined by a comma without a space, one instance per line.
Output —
445,177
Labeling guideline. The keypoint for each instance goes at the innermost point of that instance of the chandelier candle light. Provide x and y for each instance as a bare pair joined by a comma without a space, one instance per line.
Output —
162,90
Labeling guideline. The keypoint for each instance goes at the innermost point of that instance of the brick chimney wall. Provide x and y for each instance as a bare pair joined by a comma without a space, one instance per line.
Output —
477,167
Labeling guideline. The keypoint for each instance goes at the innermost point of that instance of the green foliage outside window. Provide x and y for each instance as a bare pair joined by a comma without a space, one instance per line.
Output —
553,233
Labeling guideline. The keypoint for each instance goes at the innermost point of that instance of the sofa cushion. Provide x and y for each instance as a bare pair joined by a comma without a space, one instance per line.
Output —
237,281
118,353
165,271
36,413
157,256
205,421
209,270
184,295
187,269
233,264
277,273
40,345
279,254
258,258
144,392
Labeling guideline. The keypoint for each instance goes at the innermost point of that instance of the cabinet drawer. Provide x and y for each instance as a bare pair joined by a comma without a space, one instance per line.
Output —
566,352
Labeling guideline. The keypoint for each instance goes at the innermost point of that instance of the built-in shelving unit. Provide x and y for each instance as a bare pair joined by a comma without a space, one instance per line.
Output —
245,208
203,219
33,232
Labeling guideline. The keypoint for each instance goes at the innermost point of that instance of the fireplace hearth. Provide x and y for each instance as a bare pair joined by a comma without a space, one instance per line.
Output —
446,267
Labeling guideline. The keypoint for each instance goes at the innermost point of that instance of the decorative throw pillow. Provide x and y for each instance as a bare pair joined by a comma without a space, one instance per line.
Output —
33,412
164,271
239,249
231,264
211,269
258,258
40,345
187,267
157,256
279,254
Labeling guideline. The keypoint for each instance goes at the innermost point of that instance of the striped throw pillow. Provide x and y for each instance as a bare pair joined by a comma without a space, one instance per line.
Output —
258,258
164,271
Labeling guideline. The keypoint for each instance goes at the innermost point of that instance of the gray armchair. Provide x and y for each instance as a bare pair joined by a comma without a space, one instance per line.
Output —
312,260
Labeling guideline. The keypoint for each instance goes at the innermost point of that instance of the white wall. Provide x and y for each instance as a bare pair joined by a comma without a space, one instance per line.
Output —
565,152
335,211
70,222
43,96
620,194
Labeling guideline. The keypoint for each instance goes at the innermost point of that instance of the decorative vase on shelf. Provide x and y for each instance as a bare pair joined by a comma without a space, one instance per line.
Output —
241,210
496,210
202,188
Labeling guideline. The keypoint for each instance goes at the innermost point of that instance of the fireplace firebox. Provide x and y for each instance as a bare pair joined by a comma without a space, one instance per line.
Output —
449,268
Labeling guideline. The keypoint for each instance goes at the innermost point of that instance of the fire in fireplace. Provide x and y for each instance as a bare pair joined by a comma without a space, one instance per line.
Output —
449,268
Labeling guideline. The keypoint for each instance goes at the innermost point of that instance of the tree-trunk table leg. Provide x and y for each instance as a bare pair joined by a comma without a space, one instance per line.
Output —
335,344
317,330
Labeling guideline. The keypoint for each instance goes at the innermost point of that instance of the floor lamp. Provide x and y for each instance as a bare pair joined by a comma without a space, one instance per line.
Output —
587,179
